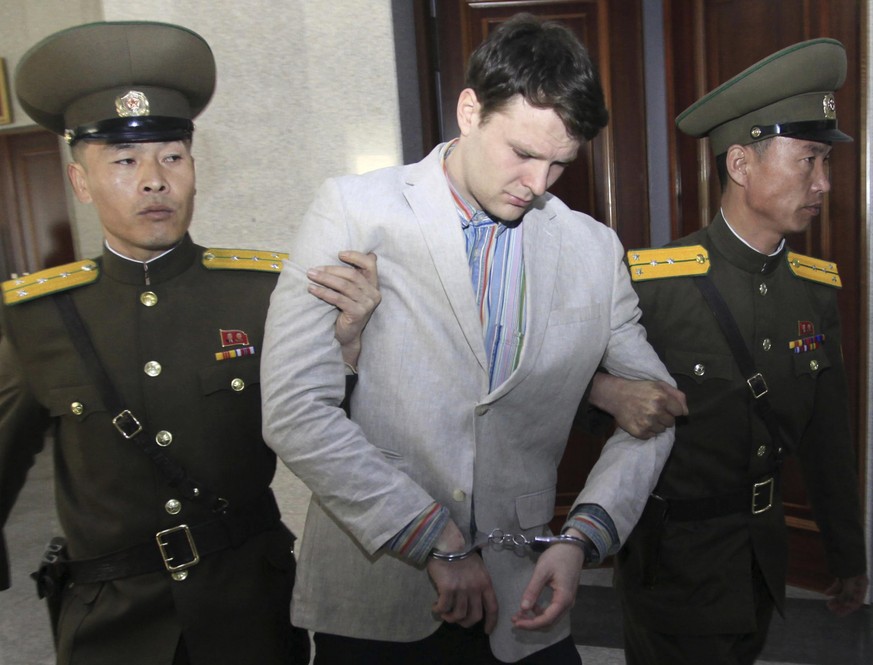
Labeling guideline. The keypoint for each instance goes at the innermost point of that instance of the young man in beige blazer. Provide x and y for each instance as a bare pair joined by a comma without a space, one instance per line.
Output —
466,395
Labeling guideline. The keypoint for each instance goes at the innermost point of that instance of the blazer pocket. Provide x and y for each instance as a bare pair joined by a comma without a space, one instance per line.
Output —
535,509
560,317
78,402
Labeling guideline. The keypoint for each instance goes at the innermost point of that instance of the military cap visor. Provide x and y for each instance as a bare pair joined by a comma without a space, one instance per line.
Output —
128,81
789,93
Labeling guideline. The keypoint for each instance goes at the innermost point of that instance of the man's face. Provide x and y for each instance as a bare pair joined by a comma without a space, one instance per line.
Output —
787,183
503,163
143,193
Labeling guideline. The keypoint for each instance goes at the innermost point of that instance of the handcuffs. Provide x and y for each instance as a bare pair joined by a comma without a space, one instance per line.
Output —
520,541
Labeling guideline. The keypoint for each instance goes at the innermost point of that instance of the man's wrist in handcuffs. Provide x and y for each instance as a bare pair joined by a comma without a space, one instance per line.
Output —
539,544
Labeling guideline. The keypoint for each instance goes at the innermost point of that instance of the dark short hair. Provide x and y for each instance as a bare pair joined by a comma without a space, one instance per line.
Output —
545,63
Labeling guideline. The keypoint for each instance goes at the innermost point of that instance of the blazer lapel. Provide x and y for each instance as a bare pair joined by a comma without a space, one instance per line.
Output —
431,202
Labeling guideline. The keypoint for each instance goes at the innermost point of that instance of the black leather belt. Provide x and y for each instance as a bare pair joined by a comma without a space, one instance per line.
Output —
182,546
754,500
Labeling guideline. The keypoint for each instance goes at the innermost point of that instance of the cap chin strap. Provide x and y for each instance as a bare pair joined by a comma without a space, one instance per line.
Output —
143,129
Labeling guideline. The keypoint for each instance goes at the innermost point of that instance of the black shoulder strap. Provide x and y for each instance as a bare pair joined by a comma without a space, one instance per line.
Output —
754,379
125,422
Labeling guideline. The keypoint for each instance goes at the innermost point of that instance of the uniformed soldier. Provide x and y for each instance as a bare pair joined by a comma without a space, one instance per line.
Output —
177,552
700,574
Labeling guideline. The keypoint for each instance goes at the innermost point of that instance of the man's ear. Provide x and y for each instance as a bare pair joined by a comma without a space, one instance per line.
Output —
737,164
79,182
468,110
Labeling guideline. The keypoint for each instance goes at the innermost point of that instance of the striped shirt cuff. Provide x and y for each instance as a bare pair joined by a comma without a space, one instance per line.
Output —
598,527
416,540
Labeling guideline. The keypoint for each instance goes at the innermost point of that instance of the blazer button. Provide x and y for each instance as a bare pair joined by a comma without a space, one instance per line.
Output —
766,344
148,298
762,289
459,495
699,369
813,365
762,450
152,368
238,385
173,507
77,408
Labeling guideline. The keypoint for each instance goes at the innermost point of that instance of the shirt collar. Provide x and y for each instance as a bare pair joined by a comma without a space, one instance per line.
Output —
468,213
160,269
742,240
127,258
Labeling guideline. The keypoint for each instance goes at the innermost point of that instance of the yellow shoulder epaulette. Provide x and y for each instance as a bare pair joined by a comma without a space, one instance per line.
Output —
243,259
48,281
815,270
667,262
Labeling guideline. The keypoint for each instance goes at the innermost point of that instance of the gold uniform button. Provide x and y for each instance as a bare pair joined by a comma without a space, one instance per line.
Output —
180,575
238,385
762,289
163,438
459,495
148,298
173,507
762,450
77,408
766,344
700,369
813,365
152,368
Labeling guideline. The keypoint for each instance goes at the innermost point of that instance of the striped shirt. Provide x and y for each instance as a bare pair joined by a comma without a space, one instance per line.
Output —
495,255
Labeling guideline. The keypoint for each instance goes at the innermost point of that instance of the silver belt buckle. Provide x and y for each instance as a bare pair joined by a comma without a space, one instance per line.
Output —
758,490
162,548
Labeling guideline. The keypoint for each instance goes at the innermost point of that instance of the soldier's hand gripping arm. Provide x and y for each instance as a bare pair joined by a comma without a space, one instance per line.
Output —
354,289
641,408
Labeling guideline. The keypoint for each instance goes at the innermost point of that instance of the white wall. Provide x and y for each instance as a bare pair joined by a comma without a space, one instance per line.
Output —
306,89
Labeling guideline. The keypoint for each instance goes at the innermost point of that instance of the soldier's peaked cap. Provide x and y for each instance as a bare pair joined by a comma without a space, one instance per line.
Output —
789,93
124,81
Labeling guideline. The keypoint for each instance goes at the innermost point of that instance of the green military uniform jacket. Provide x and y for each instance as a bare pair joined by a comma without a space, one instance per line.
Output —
158,328
702,569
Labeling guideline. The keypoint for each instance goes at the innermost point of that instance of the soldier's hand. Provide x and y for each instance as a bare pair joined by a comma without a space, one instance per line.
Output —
641,408
354,289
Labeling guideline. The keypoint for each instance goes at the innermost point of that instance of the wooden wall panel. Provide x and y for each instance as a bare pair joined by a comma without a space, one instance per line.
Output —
35,228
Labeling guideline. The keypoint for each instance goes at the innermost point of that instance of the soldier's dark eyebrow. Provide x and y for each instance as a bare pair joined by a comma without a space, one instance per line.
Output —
819,148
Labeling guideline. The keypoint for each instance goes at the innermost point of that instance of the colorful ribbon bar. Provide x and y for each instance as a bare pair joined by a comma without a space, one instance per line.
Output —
235,353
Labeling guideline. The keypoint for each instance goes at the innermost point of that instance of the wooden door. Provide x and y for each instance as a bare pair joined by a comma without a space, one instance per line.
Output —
707,42
34,223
